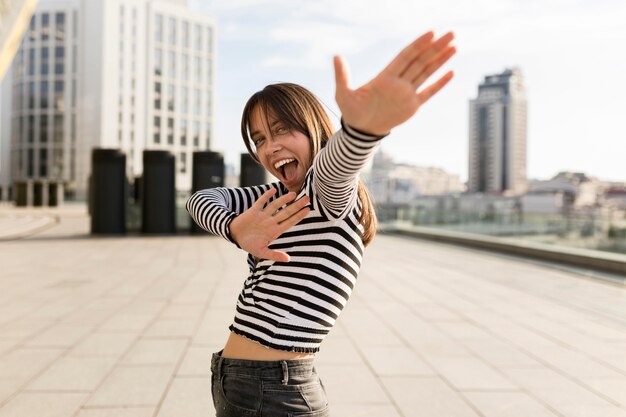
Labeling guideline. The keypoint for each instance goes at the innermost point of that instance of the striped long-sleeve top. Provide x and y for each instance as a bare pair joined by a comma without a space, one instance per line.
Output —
293,305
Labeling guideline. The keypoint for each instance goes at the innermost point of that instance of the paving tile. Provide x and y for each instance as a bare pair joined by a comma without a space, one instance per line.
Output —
426,397
508,404
43,405
171,328
117,412
155,352
189,397
62,335
197,361
73,374
104,344
398,361
469,373
132,386
8,388
22,364
363,410
501,354
338,349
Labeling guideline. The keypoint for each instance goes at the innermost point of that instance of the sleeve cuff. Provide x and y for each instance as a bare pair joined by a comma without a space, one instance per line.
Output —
359,134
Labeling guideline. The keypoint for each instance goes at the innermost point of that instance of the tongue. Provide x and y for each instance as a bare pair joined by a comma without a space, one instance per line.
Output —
290,170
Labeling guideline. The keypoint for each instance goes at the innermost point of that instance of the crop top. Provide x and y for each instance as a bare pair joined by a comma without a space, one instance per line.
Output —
293,305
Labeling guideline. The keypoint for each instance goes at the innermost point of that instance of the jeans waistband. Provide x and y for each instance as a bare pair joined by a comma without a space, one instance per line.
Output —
267,370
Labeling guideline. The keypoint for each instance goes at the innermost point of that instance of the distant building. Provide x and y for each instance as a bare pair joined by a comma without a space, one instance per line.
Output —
393,183
497,135
132,75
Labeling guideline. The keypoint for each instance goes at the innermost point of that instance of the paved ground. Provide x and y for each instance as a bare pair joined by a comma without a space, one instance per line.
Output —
124,327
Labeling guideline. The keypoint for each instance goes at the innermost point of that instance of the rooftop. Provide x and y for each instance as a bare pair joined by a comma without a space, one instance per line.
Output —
125,326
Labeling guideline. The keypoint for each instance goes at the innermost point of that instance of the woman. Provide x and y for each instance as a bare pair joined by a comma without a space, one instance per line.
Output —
304,234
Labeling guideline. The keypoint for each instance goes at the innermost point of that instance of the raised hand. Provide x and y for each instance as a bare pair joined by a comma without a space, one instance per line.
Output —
257,227
392,97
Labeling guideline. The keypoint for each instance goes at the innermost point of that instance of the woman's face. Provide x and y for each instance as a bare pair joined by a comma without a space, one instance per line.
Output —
285,153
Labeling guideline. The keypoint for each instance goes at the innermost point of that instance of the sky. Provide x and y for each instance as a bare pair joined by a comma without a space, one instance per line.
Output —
572,54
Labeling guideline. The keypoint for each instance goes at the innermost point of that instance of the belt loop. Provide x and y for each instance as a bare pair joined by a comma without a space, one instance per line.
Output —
219,367
285,372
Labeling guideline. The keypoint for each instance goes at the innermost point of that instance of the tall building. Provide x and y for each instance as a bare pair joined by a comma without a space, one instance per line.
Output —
126,74
497,135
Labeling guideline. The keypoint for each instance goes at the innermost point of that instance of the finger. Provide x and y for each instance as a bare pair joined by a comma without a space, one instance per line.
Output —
408,54
434,65
264,198
274,255
414,69
434,88
283,214
342,76
279,202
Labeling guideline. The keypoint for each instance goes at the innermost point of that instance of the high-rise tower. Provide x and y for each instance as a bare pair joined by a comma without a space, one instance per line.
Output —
497,134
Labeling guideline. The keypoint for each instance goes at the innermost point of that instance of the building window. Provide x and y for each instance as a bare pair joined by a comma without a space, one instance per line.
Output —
185,67
198,68
158,29
30,129
45,26
59,64
184,97
209,103
197,37
171,93
209,72
172,31
58,95
158,62
209,40
32,29
196,134
31,61
31,163
185,35
43,128
43,94
172,64
183,162
31,95
60,26
183,132
45,60
57,163
43,162
58,128
170,131
196,102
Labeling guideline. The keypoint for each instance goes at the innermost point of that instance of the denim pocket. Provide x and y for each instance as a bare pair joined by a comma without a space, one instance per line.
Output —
241,393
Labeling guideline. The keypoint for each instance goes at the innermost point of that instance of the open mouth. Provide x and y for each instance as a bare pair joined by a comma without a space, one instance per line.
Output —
287,169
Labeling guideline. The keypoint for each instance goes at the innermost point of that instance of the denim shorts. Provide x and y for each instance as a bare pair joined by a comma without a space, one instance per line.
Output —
289,388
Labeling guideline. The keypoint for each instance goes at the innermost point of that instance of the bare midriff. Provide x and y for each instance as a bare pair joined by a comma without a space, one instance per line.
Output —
239,347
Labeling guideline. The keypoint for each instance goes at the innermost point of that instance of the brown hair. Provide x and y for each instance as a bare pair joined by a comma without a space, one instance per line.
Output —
298,109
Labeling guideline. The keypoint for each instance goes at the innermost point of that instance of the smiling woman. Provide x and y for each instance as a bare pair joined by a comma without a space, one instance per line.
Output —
305,234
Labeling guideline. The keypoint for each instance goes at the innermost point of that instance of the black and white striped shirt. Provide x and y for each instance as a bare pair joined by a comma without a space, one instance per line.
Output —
293,305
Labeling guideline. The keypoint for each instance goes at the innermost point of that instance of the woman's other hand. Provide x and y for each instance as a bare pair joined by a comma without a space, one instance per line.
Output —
392,97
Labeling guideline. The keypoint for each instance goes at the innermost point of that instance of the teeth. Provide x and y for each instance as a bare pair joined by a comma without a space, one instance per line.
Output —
283,162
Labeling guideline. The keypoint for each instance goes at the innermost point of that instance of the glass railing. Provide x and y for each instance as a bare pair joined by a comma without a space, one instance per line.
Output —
580,230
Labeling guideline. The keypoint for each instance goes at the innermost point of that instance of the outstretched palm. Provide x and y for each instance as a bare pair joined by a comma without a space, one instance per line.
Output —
391,98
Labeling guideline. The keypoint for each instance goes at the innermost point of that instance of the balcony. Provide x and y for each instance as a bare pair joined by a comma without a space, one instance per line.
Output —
125,327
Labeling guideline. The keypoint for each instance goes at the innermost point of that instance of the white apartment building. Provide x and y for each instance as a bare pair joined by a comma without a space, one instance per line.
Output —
131,75
497,135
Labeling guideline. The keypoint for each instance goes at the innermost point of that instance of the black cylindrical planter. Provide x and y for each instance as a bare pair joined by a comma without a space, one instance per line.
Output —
37,194
53,188
21,194
158,214
208,172
107,191
251,173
